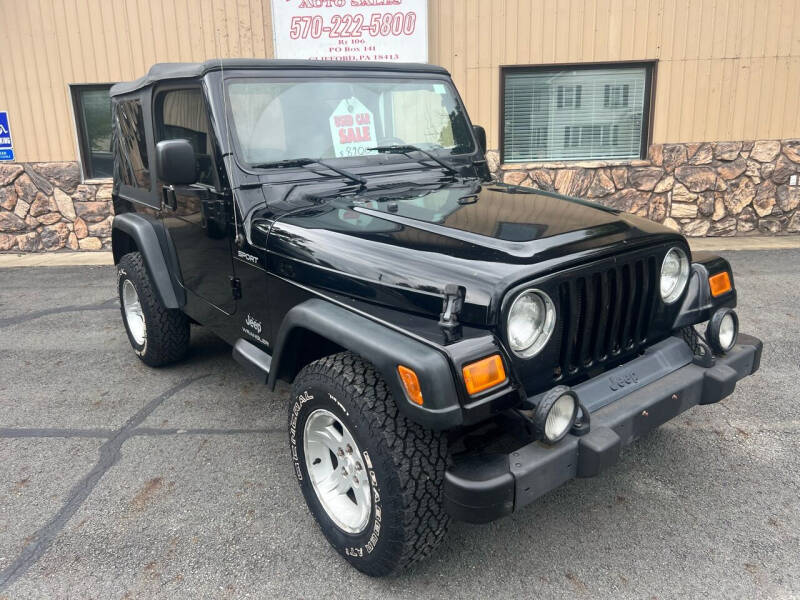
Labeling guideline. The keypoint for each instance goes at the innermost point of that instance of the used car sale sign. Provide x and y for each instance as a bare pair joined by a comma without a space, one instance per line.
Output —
383,30
352,128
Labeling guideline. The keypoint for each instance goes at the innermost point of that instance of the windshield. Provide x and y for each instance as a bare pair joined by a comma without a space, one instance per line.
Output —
277,120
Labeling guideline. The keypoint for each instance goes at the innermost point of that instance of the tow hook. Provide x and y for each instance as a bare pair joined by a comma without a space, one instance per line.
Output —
703,357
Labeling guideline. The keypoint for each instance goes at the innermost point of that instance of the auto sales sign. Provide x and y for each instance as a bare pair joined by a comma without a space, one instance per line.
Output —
381,30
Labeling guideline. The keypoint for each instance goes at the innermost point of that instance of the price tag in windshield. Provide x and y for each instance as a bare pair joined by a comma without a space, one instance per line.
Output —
352,128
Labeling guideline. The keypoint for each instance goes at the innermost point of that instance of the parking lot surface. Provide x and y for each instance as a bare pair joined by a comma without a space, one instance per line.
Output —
121,481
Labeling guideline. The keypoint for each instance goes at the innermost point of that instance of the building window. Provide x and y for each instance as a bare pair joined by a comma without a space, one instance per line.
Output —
616,96
92,106
569,96
575,113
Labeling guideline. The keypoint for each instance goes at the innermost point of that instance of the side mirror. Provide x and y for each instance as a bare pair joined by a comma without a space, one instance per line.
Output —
480,135
175,162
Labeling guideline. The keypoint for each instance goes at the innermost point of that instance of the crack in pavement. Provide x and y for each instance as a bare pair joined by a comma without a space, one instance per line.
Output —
153,431
105,305
18,432
55,432
109,455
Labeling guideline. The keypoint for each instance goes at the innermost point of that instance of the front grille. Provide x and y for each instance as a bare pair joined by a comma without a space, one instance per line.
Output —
606,314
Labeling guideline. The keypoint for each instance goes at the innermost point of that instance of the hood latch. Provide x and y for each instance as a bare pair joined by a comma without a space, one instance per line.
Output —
451,310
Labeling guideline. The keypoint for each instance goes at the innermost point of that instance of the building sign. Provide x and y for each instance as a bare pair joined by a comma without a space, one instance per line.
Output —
6,149
383,30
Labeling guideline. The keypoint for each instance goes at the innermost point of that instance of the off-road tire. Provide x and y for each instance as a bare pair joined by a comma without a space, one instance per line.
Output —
166,330
407,470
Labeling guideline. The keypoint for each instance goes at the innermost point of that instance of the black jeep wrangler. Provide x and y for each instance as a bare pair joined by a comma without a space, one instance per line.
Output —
457,347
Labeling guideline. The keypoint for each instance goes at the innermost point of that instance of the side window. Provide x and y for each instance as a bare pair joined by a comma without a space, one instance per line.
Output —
131,149
182,114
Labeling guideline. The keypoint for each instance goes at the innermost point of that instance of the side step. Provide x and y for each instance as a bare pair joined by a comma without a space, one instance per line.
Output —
253,359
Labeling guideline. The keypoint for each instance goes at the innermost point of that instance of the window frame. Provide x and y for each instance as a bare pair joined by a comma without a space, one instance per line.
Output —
647,110
156,108
81,134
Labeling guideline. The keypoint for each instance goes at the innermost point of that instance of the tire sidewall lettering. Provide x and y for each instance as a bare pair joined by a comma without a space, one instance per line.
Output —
300,410
296,407
376,504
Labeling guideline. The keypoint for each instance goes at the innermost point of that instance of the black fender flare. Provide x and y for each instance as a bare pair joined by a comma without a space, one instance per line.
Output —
158,254
698,304
383,347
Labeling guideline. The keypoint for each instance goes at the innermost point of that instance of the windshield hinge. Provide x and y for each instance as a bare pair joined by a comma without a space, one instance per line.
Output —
236,287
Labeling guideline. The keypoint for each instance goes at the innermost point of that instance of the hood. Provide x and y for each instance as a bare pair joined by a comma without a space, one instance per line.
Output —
402,246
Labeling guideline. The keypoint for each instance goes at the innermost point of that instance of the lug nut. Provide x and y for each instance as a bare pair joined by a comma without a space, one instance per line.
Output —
340,452
355,480
358,466
349,449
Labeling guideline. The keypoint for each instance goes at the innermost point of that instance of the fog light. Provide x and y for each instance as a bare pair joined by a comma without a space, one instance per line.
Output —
555,414
722,330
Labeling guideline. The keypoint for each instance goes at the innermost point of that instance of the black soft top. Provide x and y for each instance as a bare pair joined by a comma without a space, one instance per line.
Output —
167,71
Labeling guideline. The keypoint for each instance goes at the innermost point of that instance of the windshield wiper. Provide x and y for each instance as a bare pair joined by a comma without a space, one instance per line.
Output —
302,162
408,148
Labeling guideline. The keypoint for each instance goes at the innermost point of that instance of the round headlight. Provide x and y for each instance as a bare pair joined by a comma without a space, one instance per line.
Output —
722,331
674,275
555,414
530,324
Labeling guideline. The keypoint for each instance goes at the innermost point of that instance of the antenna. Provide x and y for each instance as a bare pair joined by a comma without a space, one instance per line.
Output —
226,124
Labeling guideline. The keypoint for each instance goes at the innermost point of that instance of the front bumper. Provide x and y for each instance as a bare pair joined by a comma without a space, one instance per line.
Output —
484,487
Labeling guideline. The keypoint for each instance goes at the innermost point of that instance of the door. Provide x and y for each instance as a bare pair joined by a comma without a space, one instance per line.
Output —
198,217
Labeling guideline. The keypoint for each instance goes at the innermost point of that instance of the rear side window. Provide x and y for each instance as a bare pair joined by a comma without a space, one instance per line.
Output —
130,166
182,114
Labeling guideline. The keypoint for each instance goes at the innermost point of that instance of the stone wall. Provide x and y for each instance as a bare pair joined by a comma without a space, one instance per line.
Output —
703,189
44,206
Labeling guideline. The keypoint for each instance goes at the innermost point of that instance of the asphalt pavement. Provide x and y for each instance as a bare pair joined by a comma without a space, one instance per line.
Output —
121,481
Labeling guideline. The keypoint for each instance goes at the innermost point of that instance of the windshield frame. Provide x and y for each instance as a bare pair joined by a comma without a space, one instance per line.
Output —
366,160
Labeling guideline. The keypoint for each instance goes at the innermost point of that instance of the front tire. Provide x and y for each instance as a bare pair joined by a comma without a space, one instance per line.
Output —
372,479
157,334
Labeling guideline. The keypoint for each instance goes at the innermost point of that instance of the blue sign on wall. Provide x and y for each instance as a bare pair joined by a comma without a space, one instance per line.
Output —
6,148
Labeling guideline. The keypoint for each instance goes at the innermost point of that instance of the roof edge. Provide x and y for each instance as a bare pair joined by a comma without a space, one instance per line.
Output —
168,71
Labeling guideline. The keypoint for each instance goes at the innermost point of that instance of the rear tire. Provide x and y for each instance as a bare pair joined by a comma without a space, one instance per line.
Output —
403,463
157,334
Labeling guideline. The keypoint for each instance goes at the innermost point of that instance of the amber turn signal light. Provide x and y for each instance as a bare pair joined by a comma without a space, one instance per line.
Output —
720,284
484,374
410,383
